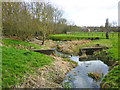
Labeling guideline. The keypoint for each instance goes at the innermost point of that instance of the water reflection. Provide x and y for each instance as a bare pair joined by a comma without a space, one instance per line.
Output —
78,77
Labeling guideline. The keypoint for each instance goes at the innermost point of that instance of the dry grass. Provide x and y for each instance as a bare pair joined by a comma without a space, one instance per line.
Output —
72,47
95,75
48,43
50,76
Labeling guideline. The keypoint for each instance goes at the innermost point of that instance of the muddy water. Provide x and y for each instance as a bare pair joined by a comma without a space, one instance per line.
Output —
78,77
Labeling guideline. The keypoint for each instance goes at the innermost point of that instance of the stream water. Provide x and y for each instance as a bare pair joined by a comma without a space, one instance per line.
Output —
78,77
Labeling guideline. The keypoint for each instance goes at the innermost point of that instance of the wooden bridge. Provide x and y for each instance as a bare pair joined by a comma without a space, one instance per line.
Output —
90,50
83,52
44,51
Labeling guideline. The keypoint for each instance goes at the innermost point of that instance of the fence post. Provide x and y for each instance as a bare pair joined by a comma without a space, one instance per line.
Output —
113,35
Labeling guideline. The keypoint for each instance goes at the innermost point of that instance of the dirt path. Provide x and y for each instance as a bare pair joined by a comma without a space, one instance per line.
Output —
48,43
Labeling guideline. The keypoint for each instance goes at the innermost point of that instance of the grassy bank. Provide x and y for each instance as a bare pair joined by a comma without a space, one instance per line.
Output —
17,63
22,68
112,79
19,44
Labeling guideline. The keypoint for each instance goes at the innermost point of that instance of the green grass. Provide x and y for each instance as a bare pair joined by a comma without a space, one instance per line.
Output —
19,44
112,79
112,43
81,35
17,64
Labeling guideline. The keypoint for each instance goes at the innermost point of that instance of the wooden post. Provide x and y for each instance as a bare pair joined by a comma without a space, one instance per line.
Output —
107,35
113,34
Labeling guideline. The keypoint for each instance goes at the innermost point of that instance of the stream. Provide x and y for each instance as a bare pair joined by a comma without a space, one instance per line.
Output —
78,77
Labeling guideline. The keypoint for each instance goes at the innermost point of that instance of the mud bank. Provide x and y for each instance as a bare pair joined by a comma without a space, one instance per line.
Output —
49,76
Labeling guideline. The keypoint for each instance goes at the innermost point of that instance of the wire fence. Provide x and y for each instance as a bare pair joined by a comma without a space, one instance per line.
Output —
95,34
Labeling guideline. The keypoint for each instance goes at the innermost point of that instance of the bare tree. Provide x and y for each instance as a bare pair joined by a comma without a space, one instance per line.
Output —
24,20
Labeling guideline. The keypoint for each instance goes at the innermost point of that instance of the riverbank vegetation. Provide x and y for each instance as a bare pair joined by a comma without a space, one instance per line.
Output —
18,48
109,56
72,47
95,75
112,79
112,43
19,65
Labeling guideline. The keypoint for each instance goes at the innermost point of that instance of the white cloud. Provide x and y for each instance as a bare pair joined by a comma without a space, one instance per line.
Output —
88,12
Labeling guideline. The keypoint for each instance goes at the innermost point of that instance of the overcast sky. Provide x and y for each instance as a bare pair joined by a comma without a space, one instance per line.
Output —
88,12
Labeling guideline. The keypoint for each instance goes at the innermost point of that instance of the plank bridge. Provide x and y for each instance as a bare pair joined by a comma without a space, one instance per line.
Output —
90,50
44,51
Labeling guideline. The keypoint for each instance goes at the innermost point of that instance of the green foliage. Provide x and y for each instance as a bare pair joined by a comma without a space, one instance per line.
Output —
66,85
17,64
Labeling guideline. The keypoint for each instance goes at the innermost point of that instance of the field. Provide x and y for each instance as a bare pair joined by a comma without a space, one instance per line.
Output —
18,63
81,35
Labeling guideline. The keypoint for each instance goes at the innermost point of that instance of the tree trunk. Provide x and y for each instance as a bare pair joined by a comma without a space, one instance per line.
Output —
43,40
